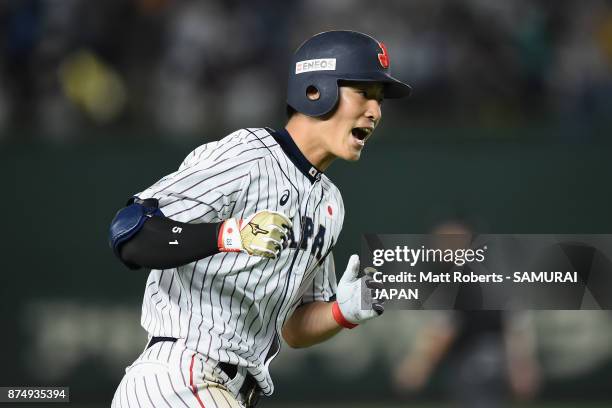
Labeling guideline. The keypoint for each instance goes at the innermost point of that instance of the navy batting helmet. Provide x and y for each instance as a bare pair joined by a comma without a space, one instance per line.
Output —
334,56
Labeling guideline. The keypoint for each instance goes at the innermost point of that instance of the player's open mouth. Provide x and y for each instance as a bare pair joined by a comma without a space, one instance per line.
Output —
361,134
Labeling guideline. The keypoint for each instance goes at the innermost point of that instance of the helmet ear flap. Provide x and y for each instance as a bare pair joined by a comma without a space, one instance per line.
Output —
302,95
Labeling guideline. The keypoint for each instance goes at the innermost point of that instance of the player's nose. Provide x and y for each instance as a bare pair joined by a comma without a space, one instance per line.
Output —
373,111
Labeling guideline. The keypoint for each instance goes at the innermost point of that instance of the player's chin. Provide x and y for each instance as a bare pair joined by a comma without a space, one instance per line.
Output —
355,156
351,154
355,153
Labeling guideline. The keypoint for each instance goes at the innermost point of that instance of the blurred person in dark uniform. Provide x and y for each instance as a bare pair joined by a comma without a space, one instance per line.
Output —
487,353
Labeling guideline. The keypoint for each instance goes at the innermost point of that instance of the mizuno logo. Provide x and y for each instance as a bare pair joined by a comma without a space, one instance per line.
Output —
256,229
284,198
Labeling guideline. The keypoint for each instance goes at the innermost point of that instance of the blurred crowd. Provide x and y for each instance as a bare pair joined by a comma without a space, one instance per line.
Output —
187,67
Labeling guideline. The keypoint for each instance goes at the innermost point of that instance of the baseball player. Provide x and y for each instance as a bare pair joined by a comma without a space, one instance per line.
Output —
239,238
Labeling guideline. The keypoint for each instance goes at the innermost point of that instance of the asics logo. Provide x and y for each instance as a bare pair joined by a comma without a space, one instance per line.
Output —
284,198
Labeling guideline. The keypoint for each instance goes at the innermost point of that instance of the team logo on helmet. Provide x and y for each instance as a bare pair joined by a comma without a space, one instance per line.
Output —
384,57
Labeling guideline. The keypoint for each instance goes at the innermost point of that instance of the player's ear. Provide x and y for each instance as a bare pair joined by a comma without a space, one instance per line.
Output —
313,93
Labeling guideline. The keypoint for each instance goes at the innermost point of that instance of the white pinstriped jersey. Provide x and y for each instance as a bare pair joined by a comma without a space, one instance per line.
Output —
232,306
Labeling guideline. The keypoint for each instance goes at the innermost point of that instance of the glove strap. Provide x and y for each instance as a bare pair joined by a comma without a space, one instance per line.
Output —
339,317
229,239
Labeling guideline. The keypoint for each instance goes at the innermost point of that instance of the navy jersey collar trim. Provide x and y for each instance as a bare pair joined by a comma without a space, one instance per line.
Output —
284,139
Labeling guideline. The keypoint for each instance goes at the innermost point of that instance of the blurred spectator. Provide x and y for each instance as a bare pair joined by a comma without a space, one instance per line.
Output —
171,65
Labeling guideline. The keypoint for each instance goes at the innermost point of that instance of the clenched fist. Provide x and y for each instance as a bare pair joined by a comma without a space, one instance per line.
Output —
261,234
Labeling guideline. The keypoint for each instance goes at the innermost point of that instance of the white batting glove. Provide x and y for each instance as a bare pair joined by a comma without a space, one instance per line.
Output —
261,234
354,306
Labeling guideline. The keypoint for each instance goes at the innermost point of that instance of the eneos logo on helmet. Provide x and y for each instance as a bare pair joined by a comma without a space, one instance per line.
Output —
322,64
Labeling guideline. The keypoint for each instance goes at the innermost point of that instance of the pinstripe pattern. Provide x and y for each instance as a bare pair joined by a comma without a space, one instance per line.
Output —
156,379
231,307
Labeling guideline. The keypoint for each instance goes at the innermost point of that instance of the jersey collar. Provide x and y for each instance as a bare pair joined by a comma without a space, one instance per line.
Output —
284,139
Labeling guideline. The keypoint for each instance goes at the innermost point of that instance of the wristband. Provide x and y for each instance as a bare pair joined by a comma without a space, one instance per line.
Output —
229,239
339,318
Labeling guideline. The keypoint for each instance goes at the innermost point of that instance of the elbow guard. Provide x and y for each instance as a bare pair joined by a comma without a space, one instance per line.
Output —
129,220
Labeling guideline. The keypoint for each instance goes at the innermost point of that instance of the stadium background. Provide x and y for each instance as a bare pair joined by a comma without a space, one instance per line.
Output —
509,127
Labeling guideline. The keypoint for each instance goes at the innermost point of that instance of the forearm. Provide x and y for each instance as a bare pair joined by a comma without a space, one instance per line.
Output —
141,236
433,344
164,243
315,322
310,324
523,367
